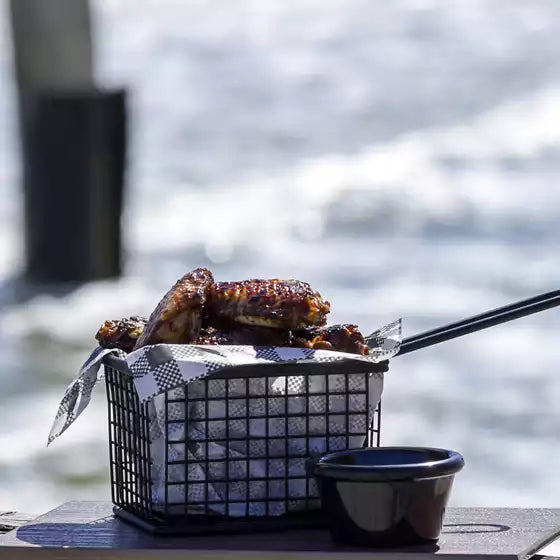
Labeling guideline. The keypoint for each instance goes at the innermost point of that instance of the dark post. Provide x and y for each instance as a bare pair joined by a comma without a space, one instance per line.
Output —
73,145
74,152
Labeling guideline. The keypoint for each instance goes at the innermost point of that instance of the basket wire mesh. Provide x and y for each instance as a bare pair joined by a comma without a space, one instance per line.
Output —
251,445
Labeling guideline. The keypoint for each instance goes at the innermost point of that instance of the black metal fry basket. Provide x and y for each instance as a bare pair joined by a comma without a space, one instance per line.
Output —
233,452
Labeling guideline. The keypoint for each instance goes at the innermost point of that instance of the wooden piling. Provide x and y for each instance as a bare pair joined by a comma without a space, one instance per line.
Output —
72,145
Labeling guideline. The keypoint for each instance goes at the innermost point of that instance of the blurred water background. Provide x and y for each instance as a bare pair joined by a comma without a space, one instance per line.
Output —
403,157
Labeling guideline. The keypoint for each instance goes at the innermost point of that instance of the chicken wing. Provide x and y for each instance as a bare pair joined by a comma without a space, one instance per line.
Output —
178,316
343,338
280,304
121,333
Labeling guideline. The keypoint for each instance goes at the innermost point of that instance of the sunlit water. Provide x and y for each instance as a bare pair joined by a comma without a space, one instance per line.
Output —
402,157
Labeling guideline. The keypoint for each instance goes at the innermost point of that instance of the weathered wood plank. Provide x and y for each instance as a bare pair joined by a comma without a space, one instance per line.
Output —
87,530
10,520
552,550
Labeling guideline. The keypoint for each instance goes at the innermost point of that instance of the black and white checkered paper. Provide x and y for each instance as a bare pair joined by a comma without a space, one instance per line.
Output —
163,368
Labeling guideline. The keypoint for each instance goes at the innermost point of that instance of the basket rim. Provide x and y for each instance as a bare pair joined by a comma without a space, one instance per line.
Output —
275,369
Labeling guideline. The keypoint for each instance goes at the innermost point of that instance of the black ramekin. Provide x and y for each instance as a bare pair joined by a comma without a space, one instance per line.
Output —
386,496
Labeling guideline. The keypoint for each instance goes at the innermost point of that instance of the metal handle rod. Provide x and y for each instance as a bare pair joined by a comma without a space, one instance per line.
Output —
480,322
491,313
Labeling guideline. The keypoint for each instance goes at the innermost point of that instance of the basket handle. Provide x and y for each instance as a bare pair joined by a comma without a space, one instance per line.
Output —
480,322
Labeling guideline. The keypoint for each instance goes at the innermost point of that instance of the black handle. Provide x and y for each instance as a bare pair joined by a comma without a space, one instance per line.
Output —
480,322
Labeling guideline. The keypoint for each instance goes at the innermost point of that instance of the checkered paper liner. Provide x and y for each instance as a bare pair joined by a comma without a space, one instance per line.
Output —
162,368
247,461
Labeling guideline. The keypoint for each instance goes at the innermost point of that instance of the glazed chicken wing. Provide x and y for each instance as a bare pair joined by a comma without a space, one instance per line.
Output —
178,316
279,304
343,338
121,333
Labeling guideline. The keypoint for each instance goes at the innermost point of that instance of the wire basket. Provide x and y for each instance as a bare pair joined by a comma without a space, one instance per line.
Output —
234,451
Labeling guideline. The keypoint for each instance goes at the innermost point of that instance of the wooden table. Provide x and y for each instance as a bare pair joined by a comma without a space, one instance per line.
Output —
11,519
88,530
